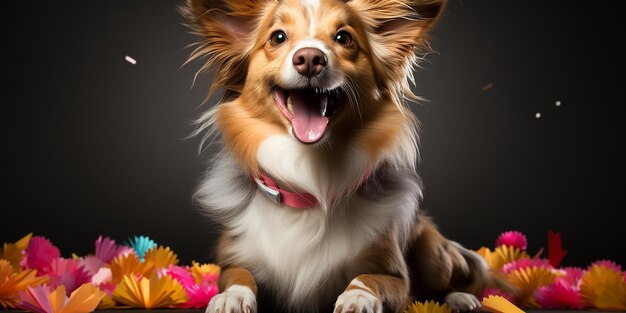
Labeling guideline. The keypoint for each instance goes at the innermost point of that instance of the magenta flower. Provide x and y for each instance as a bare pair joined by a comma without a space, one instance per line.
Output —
40,253
558,296
513,239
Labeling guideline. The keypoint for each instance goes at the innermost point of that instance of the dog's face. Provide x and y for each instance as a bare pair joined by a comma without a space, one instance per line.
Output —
321,70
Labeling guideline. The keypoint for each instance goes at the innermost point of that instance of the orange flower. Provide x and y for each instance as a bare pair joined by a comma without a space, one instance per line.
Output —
150,293
12,252
498,304
11,283
603,288
129,265
501,255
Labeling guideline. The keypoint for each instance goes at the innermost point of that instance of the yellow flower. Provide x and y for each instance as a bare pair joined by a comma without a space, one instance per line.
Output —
11,283
498,304
129,265
161,257
428,307
528,280
12,252
106,303
155,292
603,288
502,255
198,271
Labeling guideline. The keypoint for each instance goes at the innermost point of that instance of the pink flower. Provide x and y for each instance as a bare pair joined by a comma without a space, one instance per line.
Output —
40,253
558,296
525,263
181,274
107,249
572,276
67,272
199,294
513,239
91,264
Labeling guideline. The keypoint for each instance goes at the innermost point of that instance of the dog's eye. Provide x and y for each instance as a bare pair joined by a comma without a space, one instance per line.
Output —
343,38
278,37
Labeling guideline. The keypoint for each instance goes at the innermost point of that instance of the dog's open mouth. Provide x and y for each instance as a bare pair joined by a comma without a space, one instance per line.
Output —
309,110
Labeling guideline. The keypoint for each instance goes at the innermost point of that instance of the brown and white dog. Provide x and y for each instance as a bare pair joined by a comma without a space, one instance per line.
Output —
316,185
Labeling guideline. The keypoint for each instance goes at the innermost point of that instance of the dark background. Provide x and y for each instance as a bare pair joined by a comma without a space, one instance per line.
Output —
94,145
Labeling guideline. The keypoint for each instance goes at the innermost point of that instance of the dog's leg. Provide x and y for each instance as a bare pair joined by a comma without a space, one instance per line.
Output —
238,292
368,293
446,267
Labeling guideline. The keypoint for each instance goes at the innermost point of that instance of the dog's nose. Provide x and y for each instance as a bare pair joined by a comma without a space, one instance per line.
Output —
309,61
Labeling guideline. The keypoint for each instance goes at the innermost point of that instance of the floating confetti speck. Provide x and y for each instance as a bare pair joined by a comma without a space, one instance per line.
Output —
537,115
130,60
487,87
557,103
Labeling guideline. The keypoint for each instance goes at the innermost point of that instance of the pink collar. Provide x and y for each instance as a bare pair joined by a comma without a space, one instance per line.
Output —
269,187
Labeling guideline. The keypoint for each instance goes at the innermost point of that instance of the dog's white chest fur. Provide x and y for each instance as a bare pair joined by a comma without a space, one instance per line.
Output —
296,251
306,255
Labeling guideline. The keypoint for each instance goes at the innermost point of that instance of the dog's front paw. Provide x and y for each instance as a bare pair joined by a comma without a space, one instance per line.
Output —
235,299
358,301
462,301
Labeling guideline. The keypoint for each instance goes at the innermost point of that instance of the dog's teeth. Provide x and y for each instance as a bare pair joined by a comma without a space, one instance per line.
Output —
289,105
323,106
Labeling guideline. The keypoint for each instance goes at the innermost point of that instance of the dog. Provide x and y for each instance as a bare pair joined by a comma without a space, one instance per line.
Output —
315,185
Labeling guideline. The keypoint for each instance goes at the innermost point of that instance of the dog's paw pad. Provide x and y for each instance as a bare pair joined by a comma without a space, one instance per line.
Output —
462,301
357,301
235,299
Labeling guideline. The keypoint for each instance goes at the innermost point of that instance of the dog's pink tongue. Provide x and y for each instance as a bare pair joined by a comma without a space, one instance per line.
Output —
308,124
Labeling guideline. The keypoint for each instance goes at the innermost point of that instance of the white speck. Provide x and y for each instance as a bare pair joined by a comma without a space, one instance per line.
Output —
557,103
537,115
130,60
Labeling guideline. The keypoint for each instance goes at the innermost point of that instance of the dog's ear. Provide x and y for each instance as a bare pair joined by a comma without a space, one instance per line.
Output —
398,30
227,29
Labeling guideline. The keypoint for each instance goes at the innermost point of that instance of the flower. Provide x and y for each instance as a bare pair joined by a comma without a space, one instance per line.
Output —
608,264
107,249
501,255
558,295
150,293
67,272
161,257
208,273
40,253
512,239
106,303
525,263
42,299
603,288
12,282
91,264
571,276
199,293
428,307
527,280
13,252
497,292
128,265
141,244
497,304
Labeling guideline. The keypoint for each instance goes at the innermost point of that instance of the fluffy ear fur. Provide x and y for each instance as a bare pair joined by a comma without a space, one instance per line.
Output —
398,36
227,29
